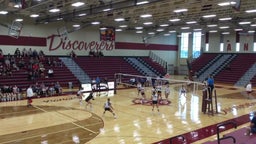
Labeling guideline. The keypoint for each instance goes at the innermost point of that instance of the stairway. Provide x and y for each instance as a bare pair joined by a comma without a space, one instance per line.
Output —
246,77
140,67
76,70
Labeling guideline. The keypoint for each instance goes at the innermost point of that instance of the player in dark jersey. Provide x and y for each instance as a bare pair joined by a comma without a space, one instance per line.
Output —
88,100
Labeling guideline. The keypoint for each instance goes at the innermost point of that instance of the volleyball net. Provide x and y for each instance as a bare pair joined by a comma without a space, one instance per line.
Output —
129,80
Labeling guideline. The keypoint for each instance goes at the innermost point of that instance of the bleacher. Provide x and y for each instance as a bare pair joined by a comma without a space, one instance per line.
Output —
236,69
201,61
20,78
105,67
154,65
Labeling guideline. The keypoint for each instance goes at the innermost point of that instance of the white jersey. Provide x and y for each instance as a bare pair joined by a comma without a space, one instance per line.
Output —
167,90
158,88
154,97
107,104
139,86
249,87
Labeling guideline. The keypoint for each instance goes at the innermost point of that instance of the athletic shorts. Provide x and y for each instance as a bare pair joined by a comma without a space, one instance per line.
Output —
154,102
107,109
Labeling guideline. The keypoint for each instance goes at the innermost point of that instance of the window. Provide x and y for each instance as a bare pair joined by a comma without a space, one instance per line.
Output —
207,47
254,46
237,47
196,44
184,45
221,47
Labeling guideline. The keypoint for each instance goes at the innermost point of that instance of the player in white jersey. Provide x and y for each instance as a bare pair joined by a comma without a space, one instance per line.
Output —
143,95
167,91
108,107
155,100
159,91
139,86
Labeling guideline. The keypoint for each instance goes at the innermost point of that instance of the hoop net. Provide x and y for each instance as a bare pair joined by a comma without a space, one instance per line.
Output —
129,80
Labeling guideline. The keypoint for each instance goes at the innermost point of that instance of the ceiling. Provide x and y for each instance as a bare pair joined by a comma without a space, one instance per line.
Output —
162,12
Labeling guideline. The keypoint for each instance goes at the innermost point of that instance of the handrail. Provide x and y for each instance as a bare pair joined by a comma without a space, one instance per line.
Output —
183,138
225,137
158,59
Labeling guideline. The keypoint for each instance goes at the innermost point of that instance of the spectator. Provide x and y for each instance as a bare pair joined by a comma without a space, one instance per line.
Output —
72,54
17,53
50,73
248,89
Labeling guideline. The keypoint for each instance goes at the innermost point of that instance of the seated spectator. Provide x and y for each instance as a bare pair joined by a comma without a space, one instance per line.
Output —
91,53
50,73
24,52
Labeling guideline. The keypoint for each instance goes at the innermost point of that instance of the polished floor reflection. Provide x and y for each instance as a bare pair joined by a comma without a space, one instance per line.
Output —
63,119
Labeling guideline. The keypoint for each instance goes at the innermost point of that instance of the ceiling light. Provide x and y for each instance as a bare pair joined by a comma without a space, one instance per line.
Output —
224,27
138,28
60,18
213,31
103,28
159,30
123,26
76,25
167,34
3,12
77,4
253,25
82,14
213,25
54,10
180,10
164,25
142,2
139,31
95,23
224,19
224,33
238,29
227,3
34,15
17,6
209,16
119,19
148,23
174,20
18,20
146,15
243,23
184,28
197,29
251,11
118,30
191,22
252,31
107,9
172,31
151,33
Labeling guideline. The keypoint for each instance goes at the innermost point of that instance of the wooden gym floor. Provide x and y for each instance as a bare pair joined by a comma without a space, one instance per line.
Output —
62,119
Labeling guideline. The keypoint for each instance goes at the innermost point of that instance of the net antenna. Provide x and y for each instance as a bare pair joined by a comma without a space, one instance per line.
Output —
63,33
15,29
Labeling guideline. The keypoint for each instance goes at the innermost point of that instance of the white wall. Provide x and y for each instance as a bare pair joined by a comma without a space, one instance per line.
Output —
87,35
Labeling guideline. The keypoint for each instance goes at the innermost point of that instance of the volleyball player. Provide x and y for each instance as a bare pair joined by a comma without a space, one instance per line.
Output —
182,91
159,91
167,91
155,100
80,95
143,95
88,100
139,88
108,107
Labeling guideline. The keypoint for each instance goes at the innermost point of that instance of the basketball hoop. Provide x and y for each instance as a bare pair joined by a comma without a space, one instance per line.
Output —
63,33
15,29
